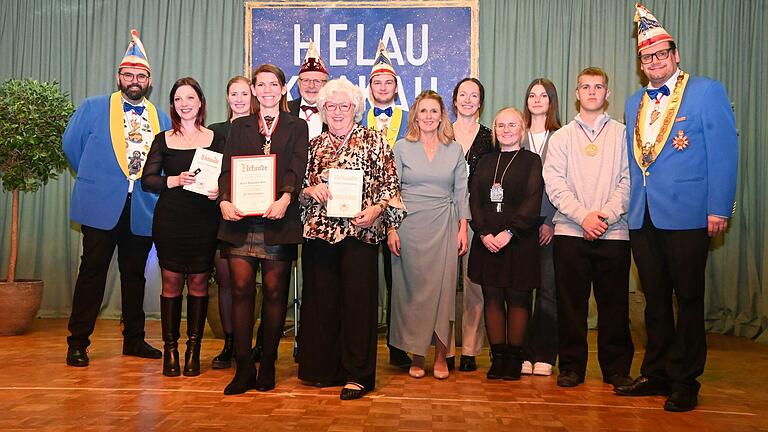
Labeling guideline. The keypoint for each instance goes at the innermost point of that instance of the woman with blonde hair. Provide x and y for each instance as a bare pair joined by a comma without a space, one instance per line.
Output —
240,103
505,196
433,183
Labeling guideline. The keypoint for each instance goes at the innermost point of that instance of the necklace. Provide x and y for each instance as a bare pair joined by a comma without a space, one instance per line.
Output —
497,191
268,129
591,149
540,149
342,140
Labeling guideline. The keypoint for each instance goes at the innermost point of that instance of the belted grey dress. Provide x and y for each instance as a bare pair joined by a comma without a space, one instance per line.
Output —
424,276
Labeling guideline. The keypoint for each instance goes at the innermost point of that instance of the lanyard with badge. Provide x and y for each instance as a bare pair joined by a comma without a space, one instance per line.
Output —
497,192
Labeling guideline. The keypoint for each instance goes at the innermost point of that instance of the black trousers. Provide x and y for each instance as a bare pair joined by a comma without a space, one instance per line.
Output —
541,336
98,248
601,265
673,262
337,337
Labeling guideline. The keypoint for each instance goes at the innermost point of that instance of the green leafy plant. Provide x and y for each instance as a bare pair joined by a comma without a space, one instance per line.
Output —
33,116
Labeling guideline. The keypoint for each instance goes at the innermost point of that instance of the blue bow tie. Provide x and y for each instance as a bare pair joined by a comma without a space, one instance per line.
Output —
654,93
128,107
386,111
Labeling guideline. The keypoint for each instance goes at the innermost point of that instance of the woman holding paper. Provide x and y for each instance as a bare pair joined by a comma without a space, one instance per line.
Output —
266,237
240,103
433,179
185,222
337,339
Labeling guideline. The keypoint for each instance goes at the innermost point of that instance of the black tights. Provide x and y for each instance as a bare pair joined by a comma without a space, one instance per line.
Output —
506,315
225,291
173,283
275,277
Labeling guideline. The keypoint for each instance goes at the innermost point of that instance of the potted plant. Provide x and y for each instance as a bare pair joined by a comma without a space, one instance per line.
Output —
33,116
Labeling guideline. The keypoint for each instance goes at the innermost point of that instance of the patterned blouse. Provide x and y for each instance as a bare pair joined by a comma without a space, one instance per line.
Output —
367,150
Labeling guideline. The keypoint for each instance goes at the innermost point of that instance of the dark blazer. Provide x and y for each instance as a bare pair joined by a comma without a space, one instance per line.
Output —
289,143
293,108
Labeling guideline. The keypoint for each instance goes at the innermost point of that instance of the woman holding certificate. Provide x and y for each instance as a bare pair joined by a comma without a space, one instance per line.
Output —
261,176
240,103
425,248
505,197
185,222
350,195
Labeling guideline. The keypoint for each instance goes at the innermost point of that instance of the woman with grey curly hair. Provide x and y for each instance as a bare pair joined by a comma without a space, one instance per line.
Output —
337,339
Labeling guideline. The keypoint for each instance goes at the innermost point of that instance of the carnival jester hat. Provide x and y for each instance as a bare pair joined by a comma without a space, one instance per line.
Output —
649,30
382,64
312,61
135,56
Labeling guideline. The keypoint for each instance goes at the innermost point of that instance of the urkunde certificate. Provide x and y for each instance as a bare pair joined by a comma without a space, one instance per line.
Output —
253,183
206,167
346,188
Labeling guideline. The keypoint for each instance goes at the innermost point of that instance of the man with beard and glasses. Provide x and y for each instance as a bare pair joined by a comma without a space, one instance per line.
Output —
106,142
312,77
683,155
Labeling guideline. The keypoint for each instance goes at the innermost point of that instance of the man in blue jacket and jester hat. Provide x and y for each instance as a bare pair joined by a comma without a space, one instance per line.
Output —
106,142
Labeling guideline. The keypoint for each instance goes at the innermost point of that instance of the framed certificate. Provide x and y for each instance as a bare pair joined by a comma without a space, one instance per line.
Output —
346,188
253,183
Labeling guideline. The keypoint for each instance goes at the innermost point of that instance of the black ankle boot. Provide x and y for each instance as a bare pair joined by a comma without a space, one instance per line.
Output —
266,379
498,359
170,317
197,308
224,359
245,376
513,363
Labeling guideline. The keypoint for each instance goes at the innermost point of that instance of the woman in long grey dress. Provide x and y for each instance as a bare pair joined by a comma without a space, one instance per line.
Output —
433,182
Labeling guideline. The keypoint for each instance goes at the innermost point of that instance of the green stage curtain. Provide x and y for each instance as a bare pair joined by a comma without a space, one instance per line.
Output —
79,43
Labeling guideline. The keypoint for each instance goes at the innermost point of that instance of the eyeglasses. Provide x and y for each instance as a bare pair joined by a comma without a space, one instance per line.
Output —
142,78
314,82
503,126
343,107
661,55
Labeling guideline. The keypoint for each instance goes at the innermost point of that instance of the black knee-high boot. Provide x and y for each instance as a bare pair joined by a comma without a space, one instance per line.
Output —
498,361
197,308
170,318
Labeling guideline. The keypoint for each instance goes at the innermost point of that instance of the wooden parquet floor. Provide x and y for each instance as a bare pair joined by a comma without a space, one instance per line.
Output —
116,393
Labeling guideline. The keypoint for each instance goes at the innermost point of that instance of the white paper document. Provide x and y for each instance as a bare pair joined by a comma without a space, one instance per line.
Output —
207,165
346,188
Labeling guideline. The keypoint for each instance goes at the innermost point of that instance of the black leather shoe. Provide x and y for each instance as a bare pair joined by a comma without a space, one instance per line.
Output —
352,393
399,358
569,379
642,386
619,380
142,349
681,401
467,363
77,357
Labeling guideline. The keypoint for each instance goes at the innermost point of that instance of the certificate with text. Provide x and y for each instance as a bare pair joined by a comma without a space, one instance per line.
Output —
206,166
346,188
253,183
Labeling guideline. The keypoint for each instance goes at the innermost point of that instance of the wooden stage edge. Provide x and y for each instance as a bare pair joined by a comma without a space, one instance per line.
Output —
117,393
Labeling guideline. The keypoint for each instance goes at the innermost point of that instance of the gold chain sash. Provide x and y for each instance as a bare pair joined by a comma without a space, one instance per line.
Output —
646,153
